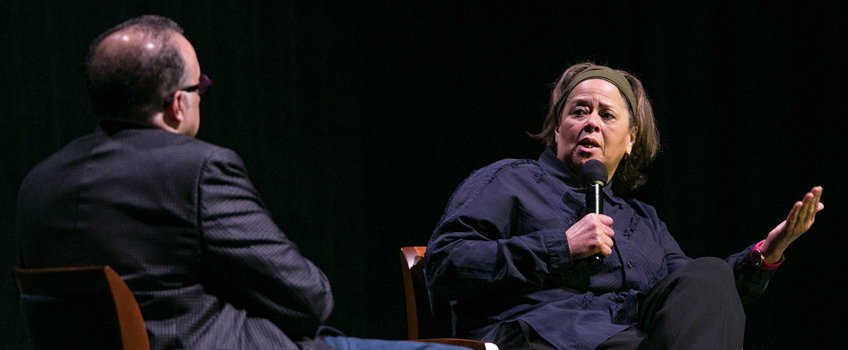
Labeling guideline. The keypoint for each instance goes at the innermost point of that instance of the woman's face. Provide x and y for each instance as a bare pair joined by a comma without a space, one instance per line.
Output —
595,124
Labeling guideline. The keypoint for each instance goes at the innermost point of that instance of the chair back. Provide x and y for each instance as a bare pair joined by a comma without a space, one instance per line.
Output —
425,317
86,307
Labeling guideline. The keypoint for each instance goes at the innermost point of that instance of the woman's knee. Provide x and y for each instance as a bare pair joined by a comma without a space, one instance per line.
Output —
711,271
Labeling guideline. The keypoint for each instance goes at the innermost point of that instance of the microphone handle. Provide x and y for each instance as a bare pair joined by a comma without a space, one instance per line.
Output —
594,201
595,204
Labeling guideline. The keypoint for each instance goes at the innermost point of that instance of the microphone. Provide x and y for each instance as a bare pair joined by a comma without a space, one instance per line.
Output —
593,174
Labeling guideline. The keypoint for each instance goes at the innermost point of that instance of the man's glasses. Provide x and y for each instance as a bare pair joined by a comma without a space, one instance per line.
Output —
201,88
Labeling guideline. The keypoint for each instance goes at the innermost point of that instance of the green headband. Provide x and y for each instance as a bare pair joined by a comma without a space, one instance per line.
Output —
608,74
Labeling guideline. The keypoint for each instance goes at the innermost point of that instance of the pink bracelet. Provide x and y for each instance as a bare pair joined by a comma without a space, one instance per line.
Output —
758,259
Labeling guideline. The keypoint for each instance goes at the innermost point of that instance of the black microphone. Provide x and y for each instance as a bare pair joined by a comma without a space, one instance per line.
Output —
593,174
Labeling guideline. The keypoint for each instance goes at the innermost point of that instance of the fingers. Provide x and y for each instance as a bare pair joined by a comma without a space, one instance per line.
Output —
604,229
803,213
607,243
598,238
794,212
796,217
603,219
814,205
811,205
604,235
591,235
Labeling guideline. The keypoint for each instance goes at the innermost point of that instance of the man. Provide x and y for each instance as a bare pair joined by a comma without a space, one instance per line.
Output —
177,217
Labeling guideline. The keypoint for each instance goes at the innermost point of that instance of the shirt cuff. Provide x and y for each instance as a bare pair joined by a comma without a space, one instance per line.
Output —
557,248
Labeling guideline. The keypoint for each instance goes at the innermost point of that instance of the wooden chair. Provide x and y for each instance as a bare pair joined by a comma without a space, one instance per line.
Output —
426,321
86,307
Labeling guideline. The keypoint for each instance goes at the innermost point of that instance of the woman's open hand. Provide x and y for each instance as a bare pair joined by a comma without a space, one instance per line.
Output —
801,217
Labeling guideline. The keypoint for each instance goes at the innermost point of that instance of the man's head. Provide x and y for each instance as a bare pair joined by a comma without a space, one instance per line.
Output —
138,72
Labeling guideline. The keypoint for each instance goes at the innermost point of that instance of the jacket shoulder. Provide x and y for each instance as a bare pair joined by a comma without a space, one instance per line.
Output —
502,172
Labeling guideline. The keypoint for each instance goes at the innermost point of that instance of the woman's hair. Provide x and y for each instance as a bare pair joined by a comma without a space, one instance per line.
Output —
628,176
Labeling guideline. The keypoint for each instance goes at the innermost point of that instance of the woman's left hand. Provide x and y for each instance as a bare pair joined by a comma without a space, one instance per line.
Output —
801,217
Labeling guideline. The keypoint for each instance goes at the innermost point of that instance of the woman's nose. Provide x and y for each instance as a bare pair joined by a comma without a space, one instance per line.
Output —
593,123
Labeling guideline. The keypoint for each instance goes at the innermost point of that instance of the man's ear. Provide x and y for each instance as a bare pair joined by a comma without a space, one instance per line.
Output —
173,114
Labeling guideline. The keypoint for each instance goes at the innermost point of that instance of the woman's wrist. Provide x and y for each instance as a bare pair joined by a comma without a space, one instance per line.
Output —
773,247
766,257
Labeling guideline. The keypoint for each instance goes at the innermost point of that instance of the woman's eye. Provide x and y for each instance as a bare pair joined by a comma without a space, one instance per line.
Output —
579,112
608,115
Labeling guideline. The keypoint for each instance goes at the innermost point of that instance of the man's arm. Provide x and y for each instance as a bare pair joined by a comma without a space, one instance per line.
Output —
256,265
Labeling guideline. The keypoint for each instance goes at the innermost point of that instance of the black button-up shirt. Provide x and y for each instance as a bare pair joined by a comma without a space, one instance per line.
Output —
499,254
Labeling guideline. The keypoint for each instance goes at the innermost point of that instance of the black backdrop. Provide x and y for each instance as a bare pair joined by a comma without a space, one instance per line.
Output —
358,119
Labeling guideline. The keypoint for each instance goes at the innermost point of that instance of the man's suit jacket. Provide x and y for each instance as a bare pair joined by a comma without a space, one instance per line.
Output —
181,222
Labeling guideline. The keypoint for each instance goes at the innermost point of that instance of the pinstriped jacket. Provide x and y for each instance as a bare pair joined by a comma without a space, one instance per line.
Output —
182,224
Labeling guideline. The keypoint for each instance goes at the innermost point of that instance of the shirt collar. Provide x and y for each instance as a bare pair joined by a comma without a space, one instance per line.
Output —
112,126
555,167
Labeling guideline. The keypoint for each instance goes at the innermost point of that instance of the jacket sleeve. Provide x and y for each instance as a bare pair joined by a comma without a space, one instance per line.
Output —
751,282
493,236
249,259
673,256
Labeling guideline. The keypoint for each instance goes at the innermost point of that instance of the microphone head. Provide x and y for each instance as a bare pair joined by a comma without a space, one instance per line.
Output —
593,171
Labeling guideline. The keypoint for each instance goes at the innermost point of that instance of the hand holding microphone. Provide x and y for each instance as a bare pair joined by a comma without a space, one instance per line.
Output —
591,237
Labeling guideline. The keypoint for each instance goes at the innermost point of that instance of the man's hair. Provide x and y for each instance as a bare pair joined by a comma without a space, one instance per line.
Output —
628,176
133,82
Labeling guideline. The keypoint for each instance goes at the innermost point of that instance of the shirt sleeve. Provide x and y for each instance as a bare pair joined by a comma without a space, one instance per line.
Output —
249,259
490,237
751,282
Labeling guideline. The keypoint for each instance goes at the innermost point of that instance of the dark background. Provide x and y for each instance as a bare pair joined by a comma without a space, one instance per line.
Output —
358,119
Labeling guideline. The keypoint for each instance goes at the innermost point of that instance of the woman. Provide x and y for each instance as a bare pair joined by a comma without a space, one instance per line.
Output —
514,249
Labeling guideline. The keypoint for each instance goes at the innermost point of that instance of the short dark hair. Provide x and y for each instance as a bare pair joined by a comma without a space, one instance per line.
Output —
132,83
628,176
